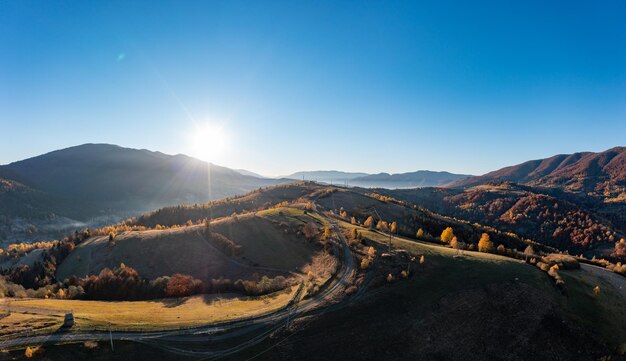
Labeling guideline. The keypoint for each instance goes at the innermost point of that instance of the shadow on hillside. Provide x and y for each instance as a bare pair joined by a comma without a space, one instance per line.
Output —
213,298
171,302
54,337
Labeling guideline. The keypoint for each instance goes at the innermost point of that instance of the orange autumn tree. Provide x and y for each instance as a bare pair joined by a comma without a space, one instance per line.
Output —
485,244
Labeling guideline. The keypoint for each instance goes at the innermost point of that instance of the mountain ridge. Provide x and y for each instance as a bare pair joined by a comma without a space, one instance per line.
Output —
602,174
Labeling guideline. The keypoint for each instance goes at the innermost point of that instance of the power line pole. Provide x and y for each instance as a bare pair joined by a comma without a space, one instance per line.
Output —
111,336
388,228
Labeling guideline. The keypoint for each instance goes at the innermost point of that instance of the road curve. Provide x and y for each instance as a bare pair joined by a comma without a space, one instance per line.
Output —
213,332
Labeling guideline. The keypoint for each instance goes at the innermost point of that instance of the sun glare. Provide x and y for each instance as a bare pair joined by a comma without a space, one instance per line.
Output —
209,142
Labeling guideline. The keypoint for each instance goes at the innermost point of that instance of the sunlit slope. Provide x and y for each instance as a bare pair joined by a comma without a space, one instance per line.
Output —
264,248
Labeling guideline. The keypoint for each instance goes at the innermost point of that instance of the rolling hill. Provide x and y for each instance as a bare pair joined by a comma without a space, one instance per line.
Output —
357,202
94,184
262,247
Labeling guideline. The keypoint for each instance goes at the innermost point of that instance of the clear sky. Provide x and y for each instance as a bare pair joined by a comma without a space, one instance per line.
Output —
463,86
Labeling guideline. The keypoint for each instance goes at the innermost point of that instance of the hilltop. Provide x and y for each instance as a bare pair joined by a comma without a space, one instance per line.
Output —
237,248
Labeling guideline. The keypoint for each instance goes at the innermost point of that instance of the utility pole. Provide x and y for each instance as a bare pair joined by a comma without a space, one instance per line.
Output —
111,336
388,228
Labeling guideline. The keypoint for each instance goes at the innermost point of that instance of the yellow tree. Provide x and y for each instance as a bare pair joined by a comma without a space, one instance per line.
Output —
447,235
371,252
352,220
369,222
485,244
382,226
394,227
454,243
420,233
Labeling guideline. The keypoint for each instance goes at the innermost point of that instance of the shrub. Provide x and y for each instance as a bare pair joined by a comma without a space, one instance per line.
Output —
309,230
596,291
181,285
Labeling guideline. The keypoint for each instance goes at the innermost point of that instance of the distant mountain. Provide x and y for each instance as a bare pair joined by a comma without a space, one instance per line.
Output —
325,176
249,173
600,174
420,178
93,181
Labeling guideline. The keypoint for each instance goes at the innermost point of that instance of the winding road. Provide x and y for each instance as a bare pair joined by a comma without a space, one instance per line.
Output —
179,341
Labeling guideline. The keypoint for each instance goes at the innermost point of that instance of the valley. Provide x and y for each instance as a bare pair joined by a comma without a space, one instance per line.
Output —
339,271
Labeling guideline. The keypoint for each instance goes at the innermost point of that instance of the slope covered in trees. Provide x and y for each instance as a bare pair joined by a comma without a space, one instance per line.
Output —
600,174
548,217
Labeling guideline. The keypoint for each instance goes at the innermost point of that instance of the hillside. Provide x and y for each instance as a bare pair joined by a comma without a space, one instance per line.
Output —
599,174
470,307
256,245
90,181
452,303
360,203
546,217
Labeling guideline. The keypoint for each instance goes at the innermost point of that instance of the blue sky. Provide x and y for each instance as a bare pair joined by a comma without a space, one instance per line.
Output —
370,86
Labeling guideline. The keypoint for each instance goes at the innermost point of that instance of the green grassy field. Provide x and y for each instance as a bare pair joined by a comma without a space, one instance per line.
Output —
144,315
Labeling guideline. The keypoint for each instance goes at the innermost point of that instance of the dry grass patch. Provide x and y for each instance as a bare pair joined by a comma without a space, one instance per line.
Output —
164,313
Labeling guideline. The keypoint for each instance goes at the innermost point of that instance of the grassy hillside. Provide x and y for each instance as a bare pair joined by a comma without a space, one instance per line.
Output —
266,247
474,306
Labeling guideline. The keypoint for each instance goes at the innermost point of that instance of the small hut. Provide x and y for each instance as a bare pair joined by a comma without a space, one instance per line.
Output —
69,320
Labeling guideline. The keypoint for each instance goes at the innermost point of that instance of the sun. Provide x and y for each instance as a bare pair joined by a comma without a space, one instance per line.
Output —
209,142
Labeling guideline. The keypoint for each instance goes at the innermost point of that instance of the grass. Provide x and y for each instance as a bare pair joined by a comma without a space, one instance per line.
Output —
263,243
443,274
20,322
149,315
605,313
